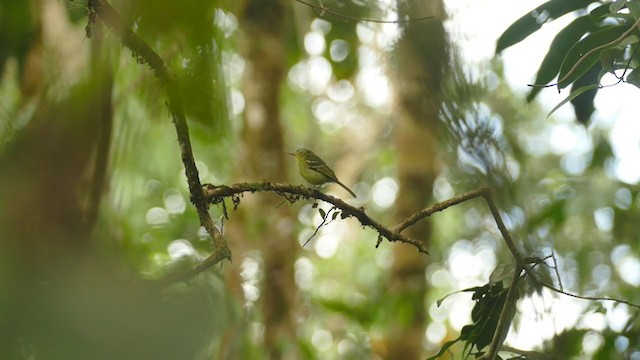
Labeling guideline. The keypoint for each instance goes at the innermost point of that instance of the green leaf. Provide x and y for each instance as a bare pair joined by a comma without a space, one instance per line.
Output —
634,9
552,61
608,59
468,332
322,213
555,213
17,31
573,95
475,289
359,312
534,20
583,105
634,78
586,53
601,154
616,5
601,12
491,307
197,79
443,349
502,273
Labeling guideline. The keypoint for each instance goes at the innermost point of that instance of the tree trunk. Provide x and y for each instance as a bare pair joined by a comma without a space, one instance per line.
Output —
421,56
53,175
263,157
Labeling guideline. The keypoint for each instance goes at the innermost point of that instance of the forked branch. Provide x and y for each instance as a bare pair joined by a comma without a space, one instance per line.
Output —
102,10
217,194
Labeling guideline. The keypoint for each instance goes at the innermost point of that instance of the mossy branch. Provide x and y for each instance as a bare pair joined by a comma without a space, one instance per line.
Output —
293,193
103,11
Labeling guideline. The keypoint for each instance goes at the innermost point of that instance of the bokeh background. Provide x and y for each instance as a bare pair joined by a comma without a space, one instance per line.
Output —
94,205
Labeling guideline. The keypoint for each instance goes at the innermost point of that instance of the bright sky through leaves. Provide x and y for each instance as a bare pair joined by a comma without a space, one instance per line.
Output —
614,105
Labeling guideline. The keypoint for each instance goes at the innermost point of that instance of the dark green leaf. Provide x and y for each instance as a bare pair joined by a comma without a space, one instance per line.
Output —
189,22
492,306
77,14
616,5
17,30
634,8
322,212
555,213
558,49
467,332
583,104
359,312
534,20
335,215
608,59
571,96
475,289
601,154
586,53
634,77
444,348
198,78
568,343
600,13
479,292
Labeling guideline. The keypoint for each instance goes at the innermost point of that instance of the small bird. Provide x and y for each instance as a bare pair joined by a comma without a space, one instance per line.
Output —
315,170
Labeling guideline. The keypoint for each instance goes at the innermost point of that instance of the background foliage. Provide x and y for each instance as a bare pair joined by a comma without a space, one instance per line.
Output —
76,287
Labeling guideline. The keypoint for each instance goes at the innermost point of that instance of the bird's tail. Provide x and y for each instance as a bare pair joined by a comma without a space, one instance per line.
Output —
346,188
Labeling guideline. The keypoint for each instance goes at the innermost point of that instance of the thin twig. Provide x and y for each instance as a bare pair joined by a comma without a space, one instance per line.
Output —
215,194
593,298
631,57
324,221
555,268
527,354
355,18
486,194
440,207
506,315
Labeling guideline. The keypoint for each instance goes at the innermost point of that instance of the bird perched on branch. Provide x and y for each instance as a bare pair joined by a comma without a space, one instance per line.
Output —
315,170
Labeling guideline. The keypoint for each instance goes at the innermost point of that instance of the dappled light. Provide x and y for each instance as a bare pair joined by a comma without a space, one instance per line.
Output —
177,249
384,192
150,207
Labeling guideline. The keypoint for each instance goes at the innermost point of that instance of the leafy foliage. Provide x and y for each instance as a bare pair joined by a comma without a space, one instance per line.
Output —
17,30
342,293
489,301
534,20
606,38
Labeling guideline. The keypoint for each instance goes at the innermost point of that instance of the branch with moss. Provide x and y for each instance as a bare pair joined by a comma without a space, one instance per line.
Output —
320,9
103,11
293,193
202,196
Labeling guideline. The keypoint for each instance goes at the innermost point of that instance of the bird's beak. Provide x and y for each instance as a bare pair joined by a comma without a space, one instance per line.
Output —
292,154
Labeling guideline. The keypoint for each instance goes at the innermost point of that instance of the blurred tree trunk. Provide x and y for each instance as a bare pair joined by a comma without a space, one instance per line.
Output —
421,58
262,156
54,169
53,174
60,296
